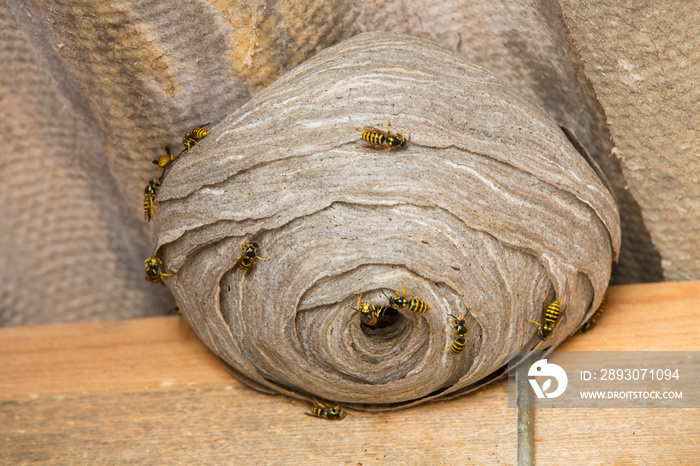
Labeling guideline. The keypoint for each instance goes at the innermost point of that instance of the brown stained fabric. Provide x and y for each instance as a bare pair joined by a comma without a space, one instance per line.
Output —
643,58
487,207
93,91
66,237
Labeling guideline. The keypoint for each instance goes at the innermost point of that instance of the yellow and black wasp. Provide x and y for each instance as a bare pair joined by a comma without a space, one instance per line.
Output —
460,332
164,160
149,208
596,315
194,135
153,273
550,318
399,301
368,313
378,139
152,188
150,193
325,411
247,259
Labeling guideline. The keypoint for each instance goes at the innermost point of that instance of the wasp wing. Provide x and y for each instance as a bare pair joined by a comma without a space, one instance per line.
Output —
379,131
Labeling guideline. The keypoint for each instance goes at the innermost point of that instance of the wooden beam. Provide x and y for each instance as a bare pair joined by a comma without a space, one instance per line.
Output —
147,391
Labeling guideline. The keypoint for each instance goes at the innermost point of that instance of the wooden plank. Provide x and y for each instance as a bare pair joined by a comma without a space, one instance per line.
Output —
648,317
138,354
147,391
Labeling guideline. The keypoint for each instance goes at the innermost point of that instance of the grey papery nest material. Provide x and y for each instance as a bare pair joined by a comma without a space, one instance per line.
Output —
488,206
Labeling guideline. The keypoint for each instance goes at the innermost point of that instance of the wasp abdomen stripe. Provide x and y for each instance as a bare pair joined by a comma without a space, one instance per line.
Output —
373,138
552,313
417,305
458,345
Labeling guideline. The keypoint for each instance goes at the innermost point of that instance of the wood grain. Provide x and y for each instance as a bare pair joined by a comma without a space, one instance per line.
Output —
147,391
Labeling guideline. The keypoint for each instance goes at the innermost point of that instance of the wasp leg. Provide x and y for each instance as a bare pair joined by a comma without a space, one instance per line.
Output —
371,146
320,405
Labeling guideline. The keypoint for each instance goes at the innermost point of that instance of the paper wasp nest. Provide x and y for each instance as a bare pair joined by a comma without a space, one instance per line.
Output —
488,206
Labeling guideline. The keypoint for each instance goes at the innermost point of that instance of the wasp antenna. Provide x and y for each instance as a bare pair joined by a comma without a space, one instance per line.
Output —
385,294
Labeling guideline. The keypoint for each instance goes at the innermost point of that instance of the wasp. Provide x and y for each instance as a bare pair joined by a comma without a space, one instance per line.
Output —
460,332
153,273
399,301
596,315
550,317
368,313
325,411
164,160
149,209
250,253
378,138
152,188
194,135
150,193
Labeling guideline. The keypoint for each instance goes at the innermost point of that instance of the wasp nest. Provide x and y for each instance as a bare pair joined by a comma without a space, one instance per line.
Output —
487,207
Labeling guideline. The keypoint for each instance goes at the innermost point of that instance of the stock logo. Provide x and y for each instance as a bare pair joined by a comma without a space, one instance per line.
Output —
544,369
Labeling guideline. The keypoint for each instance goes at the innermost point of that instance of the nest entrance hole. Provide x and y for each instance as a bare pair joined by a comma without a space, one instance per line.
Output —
389,325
